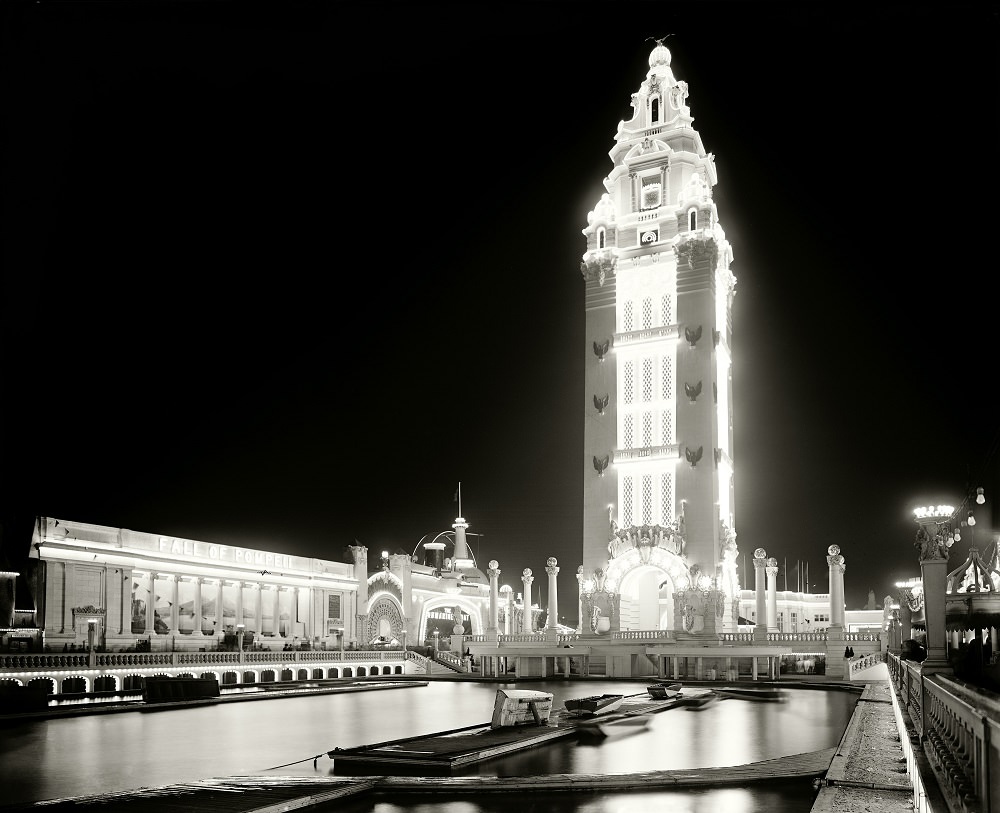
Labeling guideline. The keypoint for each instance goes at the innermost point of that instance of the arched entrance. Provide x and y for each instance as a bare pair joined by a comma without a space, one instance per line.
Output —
645,580
385,620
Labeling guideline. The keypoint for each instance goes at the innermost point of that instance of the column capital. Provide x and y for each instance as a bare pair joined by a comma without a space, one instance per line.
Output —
494,569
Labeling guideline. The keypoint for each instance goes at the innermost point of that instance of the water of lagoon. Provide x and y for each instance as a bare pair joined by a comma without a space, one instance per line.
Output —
48,759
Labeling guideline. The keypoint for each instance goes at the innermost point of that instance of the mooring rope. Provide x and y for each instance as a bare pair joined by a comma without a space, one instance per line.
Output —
315,759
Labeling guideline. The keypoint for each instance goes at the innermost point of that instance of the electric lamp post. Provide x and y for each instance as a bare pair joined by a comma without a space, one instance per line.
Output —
933,542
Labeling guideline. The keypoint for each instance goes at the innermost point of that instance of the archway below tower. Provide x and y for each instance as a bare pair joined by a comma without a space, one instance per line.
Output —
646,599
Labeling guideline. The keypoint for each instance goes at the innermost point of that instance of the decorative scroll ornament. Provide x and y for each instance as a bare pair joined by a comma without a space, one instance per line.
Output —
688,616
600,464
930,547
692,391
599,266
601,350
601,403
696,249
692,336
693,456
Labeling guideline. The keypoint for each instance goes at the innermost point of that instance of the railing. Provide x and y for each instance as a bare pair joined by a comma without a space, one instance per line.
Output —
117,660
736,637
451,660
959,731
862,662
819,637
643,635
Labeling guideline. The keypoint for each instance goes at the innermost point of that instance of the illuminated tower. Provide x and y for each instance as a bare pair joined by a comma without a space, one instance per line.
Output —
658,436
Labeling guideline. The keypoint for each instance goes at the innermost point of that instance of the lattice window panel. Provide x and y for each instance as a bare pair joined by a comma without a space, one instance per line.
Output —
647,313
647,499
666,498
647,380
628,431
666,426
627,511
628,382
667,378
647,428
628,317
667,309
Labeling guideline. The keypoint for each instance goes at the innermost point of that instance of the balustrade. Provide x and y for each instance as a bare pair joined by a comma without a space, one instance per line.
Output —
959,730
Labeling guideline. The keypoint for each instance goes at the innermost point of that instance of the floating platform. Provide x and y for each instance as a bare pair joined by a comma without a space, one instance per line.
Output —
445,752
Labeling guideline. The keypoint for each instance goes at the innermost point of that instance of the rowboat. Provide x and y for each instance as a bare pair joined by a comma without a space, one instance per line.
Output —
664,691
699,702
514,707
593,704
615,725
762,693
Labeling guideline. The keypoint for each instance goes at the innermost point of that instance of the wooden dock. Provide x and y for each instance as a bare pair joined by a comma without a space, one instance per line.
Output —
445,752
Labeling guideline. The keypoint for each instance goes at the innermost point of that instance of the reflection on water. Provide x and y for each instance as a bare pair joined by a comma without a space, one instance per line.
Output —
107,752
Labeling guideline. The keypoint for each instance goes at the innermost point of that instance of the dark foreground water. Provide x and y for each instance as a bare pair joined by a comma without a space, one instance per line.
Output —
106,752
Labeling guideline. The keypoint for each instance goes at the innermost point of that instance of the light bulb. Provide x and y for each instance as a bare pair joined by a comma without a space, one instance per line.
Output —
980,499
972,519
958,536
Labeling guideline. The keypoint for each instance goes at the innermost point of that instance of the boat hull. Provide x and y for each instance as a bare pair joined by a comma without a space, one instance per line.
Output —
594,704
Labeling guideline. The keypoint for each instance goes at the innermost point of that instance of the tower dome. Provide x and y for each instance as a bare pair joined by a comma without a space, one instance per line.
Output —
660,55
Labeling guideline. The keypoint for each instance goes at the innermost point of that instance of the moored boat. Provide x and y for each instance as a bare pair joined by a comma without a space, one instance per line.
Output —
699,702
593,704
766,693
513,707
663,690
616,724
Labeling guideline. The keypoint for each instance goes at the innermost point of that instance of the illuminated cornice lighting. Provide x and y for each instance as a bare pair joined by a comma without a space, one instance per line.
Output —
934,511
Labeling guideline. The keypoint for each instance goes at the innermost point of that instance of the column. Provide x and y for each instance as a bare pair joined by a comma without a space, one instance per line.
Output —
260,609
276,612
507,592
905,617
759,563
494,574
175,610
220,614
837,566
527,618
150,606
239,604
197,605
772,594
551,569
933,554
293,612
579,600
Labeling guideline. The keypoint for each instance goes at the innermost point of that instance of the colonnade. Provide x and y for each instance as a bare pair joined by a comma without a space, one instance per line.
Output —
218,623
766,591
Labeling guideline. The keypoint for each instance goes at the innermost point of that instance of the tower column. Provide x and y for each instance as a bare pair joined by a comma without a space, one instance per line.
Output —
494,574
527,618
551,569
759,564
772,594
220,614
836,564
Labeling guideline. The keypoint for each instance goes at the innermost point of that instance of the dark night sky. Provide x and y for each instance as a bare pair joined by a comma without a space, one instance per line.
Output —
282,275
